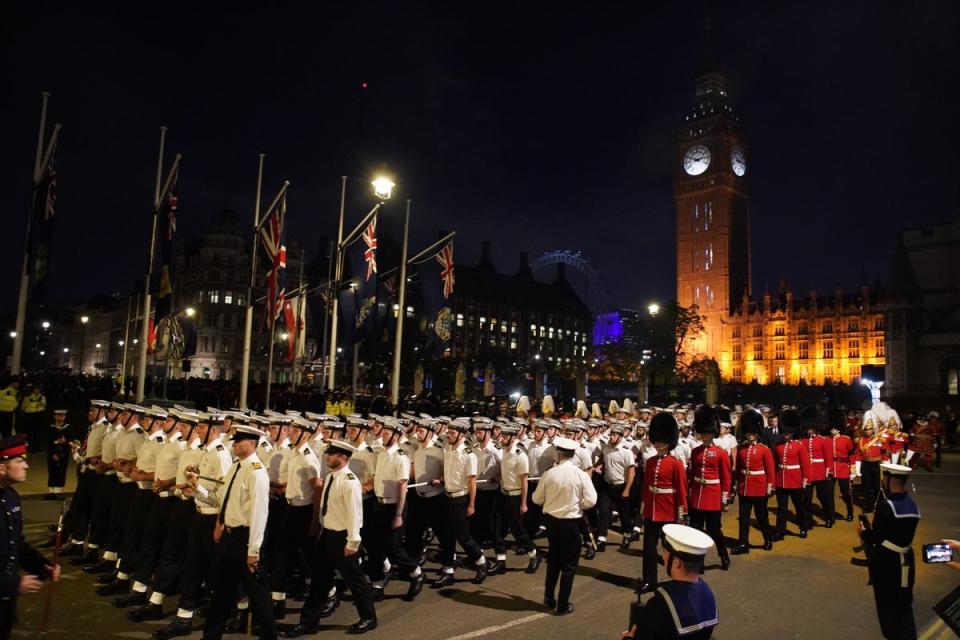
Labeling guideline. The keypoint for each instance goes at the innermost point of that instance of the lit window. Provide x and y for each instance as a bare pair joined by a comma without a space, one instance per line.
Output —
781,375
854,371
780,351
828,373
758,351
707,215
828,349
459,319
228,297
503,328
513,344
779,330
696,218
854,349
953,382
242,299
804,350
214,296
550,332
737,352
878,347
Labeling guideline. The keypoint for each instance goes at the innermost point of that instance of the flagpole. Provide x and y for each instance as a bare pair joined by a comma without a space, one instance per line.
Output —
126,344
332,360
401,299
326,310
24,270
248,321
272,348
300,317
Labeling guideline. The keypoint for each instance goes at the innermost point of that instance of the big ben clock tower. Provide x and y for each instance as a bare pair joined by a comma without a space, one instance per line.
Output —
711,174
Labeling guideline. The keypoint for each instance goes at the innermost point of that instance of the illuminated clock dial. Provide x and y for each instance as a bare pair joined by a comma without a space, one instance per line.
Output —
737,160
696,160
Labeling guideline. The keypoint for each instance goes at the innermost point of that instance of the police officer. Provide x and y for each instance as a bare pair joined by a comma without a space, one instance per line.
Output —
33,408
685,606
890,540
16,552
9,401
564,492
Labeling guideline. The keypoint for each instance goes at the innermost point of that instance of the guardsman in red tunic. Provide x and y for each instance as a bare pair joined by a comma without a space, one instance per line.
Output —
755,471
839,452
816,447
709,480
793,474
664,493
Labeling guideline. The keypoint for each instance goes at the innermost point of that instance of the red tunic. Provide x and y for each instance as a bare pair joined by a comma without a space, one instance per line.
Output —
870,449
793,465
840,453
709,477
664,489
756,469
817,452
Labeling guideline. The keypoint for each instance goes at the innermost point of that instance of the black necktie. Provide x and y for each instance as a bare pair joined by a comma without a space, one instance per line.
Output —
326,497
226,497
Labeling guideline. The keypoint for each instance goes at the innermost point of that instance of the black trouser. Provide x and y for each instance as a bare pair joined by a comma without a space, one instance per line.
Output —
710,521
651,536
174,550
8,613
158,525
141,504
76,522
610,498
562,557
370,506
534,516
201,551
895,609
57,469
424,513
119,511
795,496
482,521
327,556
387,542
459,531
871,484
289,540
6,424
759,506
508,508
100,522
824,496
229,572
274,532
844,494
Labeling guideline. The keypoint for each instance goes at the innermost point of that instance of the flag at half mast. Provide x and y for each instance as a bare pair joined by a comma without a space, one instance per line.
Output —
272,241
169,209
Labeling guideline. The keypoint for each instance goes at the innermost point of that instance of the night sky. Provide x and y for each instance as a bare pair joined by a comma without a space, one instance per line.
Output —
534,127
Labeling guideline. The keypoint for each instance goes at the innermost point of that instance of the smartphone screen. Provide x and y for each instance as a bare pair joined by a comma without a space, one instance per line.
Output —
937,552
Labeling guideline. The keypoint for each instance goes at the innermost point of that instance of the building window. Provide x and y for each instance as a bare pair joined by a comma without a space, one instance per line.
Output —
878,324
878,348
854,349
854,371
782,375
779,330
758,331
828,374
736,332
804,374
459,319
738,374
780,350
737,353
953,381
803,329
827,327
203,295
853,326
513,344
503,327
241,299
228,297
804,350
213,296
758,351
828,349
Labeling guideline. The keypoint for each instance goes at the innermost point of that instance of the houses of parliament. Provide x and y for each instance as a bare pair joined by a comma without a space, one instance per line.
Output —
783,336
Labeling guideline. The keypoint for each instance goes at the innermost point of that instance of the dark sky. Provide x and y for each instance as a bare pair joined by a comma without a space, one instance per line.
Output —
532,126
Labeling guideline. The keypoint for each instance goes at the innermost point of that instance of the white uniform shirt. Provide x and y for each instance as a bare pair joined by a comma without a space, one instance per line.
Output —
147,456
249,499
95,438
363,463
214,463
128,443
427,467
303,467
108,452
343,498
488,466
169,458
459,463
542,456
727,442
393,467
189,458
617,459
513,465
276,468
583,457
565,491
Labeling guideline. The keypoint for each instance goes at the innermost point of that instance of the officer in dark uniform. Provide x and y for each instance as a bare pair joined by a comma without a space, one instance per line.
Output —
684,607
58,456
890,553
14,551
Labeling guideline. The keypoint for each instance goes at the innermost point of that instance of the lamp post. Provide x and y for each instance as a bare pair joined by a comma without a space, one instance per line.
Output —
653,309
83,337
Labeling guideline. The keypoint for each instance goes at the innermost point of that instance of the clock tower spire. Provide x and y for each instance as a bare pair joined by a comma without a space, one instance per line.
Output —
711,191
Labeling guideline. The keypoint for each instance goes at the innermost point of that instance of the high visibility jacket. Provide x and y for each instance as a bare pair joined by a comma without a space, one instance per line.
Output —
346,407
8,400
34,403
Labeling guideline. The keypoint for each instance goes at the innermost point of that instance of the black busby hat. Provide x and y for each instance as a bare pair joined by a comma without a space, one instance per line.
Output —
663,428
751,422
790,422
836,420
811,418
706,420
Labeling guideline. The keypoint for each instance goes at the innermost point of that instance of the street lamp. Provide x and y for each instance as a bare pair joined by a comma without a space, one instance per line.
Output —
13,334
190,312
653,309
83,338
383,187
45,324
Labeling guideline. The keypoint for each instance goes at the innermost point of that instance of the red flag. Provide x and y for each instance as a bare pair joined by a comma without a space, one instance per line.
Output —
290,322
151,337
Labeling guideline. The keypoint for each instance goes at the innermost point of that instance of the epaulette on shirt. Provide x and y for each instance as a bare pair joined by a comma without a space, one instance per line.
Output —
402,452
139,430
219,447
306,451
256,465
350,476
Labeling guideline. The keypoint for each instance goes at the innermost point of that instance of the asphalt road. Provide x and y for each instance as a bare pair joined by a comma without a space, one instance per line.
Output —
801,589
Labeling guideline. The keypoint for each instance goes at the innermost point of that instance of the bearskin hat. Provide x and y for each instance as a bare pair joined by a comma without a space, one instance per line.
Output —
706,420
663,428
751,422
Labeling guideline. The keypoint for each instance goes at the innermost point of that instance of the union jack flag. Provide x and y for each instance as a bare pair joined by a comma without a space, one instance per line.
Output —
445,258
172,203
370,253
271,238
51,199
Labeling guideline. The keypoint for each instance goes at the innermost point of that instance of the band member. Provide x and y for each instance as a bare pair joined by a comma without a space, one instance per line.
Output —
756,472
709,479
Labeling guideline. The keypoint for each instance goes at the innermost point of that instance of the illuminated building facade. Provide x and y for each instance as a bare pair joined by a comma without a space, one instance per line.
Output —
811,339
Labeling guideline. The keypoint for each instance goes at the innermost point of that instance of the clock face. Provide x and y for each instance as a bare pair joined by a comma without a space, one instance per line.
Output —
737,161
696,160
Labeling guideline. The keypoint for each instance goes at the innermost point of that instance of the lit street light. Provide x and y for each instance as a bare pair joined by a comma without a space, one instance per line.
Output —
45,324
190,312
13,334
383,187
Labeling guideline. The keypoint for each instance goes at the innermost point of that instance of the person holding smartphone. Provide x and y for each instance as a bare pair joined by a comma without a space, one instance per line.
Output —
890,556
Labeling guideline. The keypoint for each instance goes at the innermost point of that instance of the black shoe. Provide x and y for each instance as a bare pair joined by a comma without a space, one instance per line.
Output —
499,567
767,545
279,609
803,533
828,524
481,574
565,609
725,563
377,594
590,554
363,626
132,599
601,546
149,611
115,588
550,603
776,537
302,629
416,586
328,608
849,517
107,578
72,550
238,621
101,567
534,564
445,580
178,627
89,558
646,587
625,543
740,550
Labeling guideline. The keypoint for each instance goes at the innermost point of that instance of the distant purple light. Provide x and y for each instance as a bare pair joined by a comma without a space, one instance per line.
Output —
608,328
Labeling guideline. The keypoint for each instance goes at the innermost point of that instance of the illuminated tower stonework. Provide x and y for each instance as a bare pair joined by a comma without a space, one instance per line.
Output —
711,176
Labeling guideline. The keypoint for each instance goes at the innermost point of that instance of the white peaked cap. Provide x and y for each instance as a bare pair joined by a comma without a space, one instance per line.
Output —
628,405
596,411
547,406
614,407
565,444
895,469
684,539
582,409
523,404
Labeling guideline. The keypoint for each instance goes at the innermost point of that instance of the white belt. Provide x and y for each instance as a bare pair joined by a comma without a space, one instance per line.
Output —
660,490
510,492
457,494
756,472
145,484
299,502
904,567
816,459
111,472
708,480
124,479
789,466
889,545
208,511
166,494
386,500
